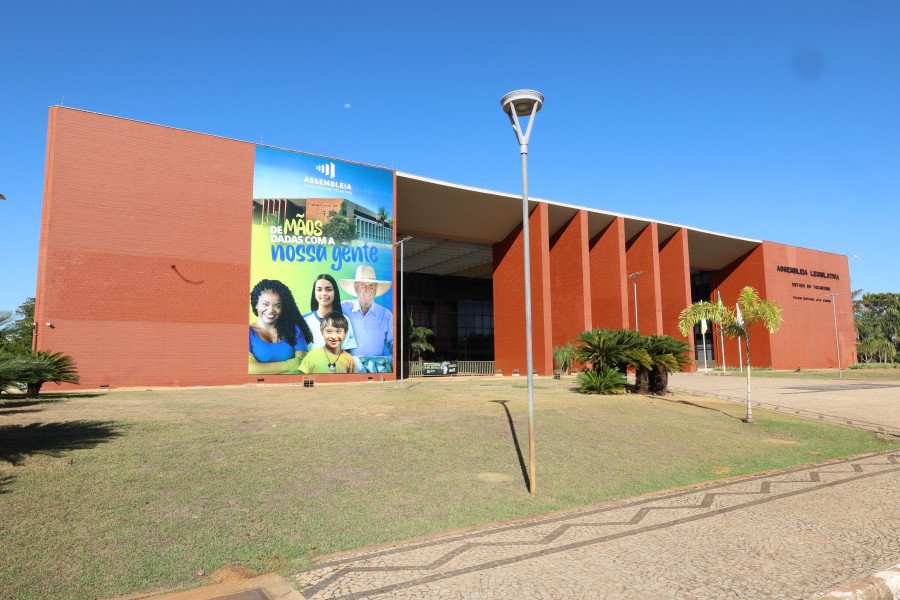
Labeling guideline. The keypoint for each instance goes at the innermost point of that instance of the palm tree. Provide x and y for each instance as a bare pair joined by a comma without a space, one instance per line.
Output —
749,311
607,348
382,214
668,356
617,349
34,369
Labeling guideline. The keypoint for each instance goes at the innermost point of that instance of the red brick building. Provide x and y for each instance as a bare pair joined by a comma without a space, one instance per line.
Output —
145,251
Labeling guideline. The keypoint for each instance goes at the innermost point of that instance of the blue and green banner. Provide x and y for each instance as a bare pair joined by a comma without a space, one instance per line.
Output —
321,266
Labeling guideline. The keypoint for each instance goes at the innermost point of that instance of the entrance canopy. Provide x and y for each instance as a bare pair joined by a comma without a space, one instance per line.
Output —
455,226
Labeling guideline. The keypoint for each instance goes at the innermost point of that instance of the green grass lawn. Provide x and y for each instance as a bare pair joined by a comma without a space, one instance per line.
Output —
105,494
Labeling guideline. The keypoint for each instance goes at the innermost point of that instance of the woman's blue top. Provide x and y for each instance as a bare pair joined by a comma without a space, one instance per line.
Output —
276,351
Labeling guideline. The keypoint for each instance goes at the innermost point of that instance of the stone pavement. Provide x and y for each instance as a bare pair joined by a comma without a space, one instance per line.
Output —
792,534
871,405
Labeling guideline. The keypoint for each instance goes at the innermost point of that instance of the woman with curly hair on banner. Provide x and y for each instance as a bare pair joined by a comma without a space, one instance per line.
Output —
280,338
325,299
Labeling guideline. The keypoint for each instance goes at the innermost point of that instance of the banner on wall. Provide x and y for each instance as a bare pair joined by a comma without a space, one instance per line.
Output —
321,266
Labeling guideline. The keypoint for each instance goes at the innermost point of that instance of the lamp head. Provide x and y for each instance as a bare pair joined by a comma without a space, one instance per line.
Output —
522,102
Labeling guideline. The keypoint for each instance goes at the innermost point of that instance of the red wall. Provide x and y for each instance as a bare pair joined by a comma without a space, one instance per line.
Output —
609,304
570,280
642,254
807,337
675,284
143,265
509,304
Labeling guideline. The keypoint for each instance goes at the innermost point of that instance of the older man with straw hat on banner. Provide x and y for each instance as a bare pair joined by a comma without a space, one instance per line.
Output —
372,324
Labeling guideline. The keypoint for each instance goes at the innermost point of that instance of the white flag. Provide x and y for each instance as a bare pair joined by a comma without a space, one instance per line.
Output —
740,318
703,328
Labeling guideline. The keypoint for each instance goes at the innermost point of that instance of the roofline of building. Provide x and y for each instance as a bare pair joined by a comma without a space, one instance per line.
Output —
469,188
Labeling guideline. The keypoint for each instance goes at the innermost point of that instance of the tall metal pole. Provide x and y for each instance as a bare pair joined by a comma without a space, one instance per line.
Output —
528,349
705,366
526,103
634,281
837,340
402,318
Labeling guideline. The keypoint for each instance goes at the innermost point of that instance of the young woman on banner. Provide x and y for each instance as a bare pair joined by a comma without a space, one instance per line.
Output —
325,299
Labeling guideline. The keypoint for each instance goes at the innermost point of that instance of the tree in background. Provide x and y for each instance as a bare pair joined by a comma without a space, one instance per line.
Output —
16,330
877,321
339,226
418,341
736,323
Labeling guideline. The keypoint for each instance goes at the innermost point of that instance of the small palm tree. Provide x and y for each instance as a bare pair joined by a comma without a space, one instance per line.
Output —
34,369
564,357
418,341
382,214
668,355
606,380
749,311
607,348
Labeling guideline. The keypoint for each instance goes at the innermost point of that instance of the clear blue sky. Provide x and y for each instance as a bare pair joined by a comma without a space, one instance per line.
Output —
770,120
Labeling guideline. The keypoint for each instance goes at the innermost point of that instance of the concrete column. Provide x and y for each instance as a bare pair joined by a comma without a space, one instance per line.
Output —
570,280
642,254
675,284
509,305
609,293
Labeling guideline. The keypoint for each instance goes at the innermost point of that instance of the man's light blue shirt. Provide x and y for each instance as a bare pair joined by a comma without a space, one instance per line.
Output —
374,330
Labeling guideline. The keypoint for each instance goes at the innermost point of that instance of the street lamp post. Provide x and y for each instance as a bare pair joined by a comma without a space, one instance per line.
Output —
837,340
634,280
402,319
525,103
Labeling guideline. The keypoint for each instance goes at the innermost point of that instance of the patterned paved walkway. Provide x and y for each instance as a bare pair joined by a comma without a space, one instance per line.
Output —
871,405
792,534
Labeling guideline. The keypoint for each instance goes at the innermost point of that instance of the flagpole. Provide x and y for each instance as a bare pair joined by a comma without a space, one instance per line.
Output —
703,332
722,337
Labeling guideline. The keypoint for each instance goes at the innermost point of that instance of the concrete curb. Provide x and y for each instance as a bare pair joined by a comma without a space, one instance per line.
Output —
883,585
273,585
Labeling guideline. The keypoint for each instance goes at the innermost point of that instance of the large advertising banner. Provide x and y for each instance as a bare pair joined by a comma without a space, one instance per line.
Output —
320,266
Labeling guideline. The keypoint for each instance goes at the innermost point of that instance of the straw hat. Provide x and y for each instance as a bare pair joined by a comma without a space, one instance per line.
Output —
364,274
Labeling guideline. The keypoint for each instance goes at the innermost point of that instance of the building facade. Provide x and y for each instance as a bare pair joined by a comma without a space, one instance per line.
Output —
145,249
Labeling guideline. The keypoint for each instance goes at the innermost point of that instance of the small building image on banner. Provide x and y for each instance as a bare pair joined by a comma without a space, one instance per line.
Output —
321,266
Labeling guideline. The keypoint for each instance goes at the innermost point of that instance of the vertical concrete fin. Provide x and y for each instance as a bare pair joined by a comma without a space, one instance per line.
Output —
570,280
509,308
642,254
609,293
675,283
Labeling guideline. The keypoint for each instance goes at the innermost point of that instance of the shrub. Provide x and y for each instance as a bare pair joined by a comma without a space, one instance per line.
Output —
605,380
563,357
34,369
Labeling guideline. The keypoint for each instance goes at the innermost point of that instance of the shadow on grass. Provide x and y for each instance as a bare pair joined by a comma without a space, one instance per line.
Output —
18,442
729,415
4,482
45,397
512,430
12,410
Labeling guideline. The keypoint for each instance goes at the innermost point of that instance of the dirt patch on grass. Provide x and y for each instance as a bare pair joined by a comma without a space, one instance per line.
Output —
778,441
232,574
